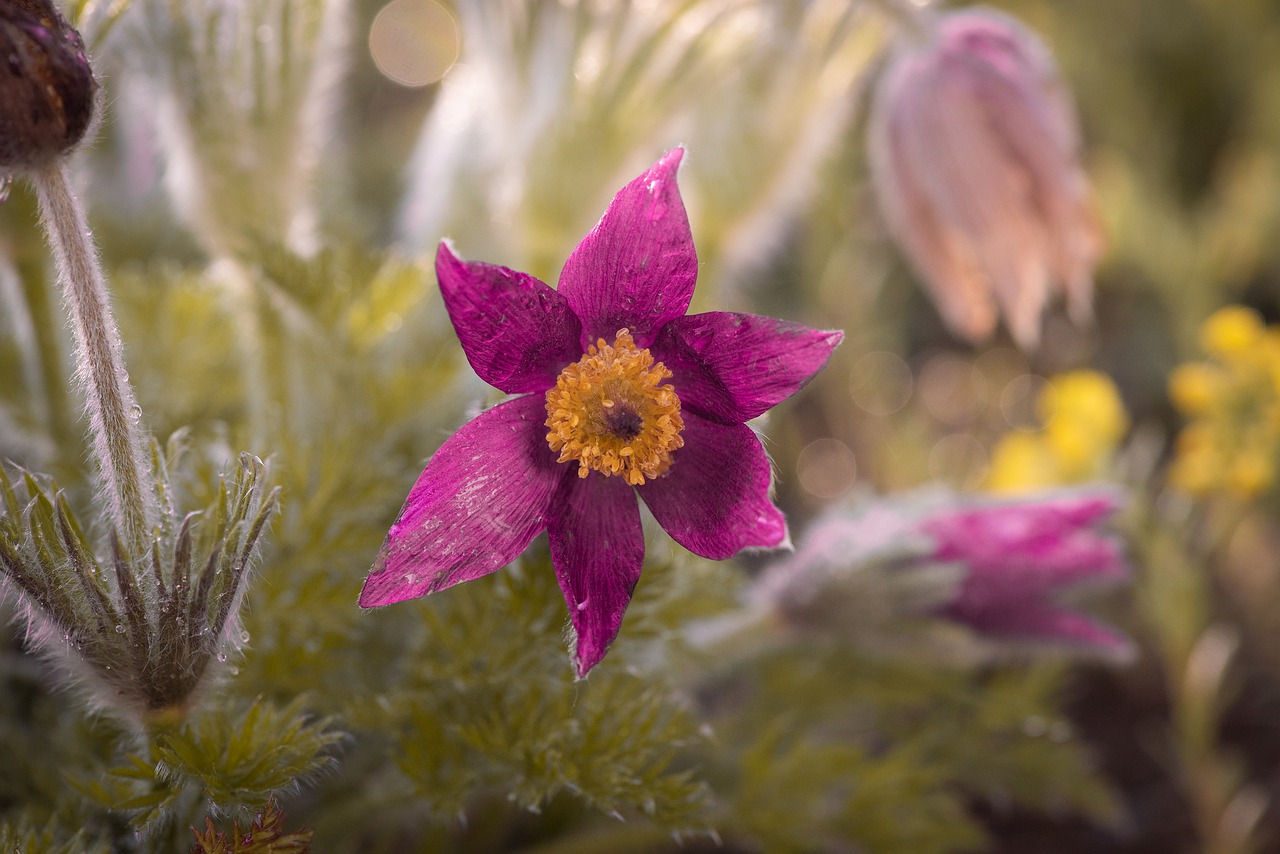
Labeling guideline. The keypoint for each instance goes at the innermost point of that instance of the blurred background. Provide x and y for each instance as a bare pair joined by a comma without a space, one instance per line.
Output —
267,184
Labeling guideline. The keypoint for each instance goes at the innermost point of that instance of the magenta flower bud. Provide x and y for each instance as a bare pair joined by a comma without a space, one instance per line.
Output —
871,575
975,156
1019,556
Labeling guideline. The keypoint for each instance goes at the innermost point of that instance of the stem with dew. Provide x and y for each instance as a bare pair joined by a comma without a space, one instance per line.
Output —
113,410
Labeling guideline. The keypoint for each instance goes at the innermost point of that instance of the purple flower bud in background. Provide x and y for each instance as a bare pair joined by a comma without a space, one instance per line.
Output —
975,156
881,574
1019,555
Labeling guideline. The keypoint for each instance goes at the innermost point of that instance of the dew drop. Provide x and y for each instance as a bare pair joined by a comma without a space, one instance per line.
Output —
222,657
6,181
244,636
119,629
136,412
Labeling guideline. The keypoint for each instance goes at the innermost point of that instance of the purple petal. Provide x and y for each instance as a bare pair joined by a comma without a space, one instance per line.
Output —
597,548
1032,545
715,500
517,332
733,367
1037,621
636,269
476,506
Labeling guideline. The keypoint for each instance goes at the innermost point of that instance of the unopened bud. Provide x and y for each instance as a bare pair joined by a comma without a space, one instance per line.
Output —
46,85
974,151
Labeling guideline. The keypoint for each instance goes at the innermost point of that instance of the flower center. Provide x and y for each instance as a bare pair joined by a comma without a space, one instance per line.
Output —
610,412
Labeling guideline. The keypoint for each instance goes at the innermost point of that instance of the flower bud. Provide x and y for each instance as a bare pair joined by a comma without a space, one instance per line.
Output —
871,574
974,154
46,85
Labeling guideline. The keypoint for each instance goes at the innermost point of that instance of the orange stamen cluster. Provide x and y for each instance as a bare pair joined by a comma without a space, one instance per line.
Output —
611,413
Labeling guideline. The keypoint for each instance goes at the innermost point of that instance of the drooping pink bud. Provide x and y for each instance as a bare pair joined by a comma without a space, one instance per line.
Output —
974,150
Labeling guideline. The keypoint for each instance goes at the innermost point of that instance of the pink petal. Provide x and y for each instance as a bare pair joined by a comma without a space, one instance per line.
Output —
938,250
715,500
517,332
597,548
1035,621
636,269
476,506
733,367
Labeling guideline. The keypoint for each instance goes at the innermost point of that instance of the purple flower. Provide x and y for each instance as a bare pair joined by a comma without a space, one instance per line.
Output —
974,148
619,393
1019,556
998,568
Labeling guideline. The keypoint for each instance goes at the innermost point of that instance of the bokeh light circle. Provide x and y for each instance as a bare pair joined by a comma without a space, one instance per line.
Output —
826,468
881,383
413,42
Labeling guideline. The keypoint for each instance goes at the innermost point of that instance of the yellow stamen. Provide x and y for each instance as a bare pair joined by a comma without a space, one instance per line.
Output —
611,413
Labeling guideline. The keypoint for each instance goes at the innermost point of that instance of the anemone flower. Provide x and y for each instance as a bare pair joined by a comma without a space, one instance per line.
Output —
618,393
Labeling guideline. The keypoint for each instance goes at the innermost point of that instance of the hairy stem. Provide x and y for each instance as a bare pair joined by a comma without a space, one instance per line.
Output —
114,414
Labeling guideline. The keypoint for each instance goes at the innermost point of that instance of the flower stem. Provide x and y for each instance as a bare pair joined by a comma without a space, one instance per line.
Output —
114,414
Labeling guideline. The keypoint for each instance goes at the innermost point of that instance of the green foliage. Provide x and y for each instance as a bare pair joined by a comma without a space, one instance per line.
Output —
492,706
21,837
236,761
887,753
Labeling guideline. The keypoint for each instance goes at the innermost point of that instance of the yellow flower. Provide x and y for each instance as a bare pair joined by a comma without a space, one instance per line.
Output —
1231,333
1083,422
1232,441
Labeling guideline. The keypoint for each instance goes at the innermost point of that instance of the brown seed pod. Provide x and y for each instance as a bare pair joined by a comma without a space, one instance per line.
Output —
46,84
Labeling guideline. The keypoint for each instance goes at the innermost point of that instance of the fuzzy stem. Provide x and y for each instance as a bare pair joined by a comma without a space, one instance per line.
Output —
113,410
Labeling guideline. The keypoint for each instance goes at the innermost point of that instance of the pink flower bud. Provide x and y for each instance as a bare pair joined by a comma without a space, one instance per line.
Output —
975,156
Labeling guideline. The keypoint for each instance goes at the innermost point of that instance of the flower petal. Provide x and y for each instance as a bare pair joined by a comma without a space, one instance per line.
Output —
476,506
636,269
733,367
715,500
597,548
1038,621
518,333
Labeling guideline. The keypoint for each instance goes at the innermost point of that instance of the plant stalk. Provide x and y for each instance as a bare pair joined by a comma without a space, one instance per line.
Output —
114,414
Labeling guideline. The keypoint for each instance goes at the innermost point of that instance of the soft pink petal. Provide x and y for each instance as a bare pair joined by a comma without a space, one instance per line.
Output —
636,269
476,506
937,248
715,500
597,548
517,332
733,367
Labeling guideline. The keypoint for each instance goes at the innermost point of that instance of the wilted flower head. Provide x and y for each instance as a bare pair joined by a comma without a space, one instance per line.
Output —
46,101
974,151
619,393
997,568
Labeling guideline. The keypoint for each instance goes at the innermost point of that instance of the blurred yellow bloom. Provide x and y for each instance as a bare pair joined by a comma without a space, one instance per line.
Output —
1083,422
1231,332
1232,400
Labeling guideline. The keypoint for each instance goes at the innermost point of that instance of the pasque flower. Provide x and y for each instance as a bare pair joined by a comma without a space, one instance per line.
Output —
618,393
974,151
997,567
